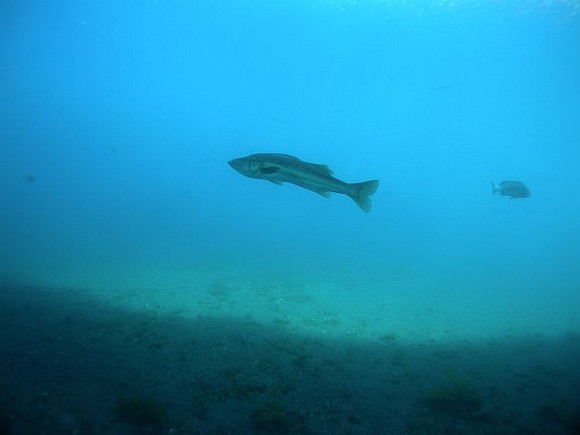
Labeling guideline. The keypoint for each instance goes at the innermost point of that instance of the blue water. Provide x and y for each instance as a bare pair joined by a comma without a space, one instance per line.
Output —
117,120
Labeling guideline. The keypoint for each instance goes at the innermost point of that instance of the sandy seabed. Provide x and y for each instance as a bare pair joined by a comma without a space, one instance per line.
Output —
243,353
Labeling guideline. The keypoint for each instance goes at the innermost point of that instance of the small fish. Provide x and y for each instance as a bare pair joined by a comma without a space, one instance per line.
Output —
280,168
514,189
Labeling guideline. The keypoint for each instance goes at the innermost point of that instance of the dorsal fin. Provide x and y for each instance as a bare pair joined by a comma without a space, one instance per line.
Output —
324,168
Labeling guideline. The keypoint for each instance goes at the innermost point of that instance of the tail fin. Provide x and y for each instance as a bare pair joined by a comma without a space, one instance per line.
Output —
493,188
361,193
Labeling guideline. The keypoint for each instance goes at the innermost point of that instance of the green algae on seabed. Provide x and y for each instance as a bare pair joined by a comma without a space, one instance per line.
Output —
455,396
142,411
274,417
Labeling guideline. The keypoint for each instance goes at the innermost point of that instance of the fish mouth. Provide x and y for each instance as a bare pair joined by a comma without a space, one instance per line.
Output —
235,164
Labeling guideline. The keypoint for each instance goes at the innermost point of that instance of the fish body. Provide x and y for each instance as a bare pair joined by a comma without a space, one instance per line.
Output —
283,168
513,189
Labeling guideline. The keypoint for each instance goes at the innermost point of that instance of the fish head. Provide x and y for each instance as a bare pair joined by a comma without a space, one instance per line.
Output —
246,166
253,166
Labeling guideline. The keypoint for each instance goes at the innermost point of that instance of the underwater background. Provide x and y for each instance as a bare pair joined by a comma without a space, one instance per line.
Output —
146,287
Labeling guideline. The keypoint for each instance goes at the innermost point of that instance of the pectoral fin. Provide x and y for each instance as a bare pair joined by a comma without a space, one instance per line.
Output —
268,170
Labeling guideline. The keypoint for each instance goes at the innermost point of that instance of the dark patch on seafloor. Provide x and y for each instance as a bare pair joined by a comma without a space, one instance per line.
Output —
71,364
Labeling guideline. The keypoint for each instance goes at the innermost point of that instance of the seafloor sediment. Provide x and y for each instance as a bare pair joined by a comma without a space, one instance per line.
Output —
77,361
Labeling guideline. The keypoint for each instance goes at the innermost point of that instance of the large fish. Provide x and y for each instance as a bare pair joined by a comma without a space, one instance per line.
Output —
280,168
513,189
